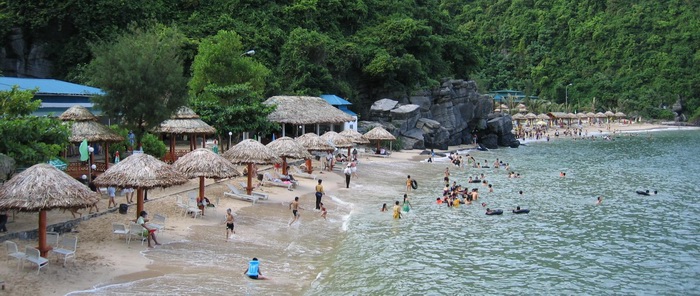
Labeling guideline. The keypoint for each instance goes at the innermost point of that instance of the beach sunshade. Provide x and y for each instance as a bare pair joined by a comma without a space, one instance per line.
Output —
312,142
43,187
337,140
140,171
77,113
518,116
355,136
286,147
530,116
92,131
7,165
609,113
251,152
300,110
378,134
185,121
204,163
590,114
540,122
620,114
543,116
600,115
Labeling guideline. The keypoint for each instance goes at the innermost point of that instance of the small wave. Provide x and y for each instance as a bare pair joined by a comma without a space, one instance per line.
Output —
345,218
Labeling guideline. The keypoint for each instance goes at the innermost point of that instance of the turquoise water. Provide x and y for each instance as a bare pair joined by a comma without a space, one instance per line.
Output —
631,244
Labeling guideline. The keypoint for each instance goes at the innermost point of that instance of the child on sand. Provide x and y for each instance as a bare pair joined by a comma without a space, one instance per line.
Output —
323,212
253,270
229,224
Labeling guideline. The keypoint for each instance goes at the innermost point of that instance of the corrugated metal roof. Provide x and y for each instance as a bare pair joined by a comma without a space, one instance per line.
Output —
335,100
48,86
346,110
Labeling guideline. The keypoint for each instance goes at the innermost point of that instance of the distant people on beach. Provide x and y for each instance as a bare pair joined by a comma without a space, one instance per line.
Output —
253,270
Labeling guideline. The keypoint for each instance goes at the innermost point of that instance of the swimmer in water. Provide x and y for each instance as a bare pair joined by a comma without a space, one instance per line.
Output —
599,201
384,209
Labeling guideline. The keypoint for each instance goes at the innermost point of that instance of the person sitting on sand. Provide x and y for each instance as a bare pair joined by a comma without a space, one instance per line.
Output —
253,270
151,231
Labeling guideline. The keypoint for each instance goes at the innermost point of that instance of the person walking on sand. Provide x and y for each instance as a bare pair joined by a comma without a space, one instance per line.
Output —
409,184
348,174
229,224
253,270
294,206
319,194
397,210
353,167
111,191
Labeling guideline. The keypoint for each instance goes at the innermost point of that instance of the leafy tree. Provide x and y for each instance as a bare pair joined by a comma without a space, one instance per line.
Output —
304,63
141,73
26,138
227,86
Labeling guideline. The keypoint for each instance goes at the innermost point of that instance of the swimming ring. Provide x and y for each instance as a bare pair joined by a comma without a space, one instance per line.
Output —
521,211
495,212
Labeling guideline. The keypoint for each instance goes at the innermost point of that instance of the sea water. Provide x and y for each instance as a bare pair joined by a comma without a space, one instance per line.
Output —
630,244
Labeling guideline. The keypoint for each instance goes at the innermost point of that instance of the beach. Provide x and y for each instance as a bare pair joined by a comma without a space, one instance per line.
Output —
104,259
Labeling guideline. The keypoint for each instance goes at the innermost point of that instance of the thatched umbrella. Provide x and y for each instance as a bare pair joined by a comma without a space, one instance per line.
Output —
7,166
184,122
312,142
379,134
204,163
303,110
140,171
338,140
84,126
286,147
251,152
355,136
43,187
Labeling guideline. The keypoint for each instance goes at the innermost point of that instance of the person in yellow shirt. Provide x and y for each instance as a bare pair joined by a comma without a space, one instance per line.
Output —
397,210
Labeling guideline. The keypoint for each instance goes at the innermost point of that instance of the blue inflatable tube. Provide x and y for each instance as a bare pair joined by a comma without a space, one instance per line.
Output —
521,211
495,212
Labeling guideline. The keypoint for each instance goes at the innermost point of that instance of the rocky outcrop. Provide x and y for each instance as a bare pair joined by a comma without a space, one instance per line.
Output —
21,57
453,114
679,110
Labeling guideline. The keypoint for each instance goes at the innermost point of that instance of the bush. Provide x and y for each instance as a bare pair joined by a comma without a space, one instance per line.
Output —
153,146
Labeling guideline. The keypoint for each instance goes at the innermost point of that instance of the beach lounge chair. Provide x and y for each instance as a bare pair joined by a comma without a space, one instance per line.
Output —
299,173
237,194
181,203
285,178
136,230
193,208
34,256
13,252
66,248
52,238
120,229
268,180
260,195
158,222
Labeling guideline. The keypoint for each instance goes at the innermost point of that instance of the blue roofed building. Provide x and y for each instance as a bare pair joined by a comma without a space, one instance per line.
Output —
500,96
56,96
342,104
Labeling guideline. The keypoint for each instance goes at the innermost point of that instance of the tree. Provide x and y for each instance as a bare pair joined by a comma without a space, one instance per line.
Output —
227,86
141,73
26,138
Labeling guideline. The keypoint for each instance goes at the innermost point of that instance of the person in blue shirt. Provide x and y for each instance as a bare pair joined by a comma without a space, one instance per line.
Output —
253,270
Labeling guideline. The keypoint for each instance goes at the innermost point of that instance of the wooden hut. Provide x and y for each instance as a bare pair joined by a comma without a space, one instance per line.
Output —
295,113
183,122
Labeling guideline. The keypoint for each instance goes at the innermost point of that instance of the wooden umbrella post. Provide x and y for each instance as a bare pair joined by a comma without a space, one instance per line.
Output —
284,165
44,248
139,201
249,189
201,193
308,165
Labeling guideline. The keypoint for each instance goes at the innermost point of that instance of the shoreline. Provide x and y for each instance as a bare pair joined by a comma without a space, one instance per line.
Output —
104,260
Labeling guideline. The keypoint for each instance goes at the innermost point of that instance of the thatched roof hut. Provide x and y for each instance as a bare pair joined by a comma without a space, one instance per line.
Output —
185,121
43,187
286,147
620,114
140,171
92,131
543,116
379,133
518,117
312,142
530,116
203,162
305,110
600,115
337,140
609,113
251,152
77,113
7,165
355,136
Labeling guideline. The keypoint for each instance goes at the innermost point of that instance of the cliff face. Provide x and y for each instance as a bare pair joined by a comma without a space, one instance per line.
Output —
450,115
21,57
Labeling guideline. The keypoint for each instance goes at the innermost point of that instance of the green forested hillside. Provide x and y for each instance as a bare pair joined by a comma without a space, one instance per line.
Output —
632,56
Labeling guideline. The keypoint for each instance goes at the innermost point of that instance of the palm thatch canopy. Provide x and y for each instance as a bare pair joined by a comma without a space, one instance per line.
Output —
355,136
184,121
287,147
620,114
337,140
251,151
571,115
530,116
543,116
93,131
203,162
518,116
312,142
609,113
77,113
141,171
590,114
600,115
379,133
305,110
44,187
7,165
504,106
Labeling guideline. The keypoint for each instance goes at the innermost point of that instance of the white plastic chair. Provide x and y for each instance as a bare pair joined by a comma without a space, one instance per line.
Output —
158,222
13,252
66,248
120,229
137,231
52,238
34,256
193,208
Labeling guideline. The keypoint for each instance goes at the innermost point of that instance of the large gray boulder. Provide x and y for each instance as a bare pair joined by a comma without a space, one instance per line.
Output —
381,110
